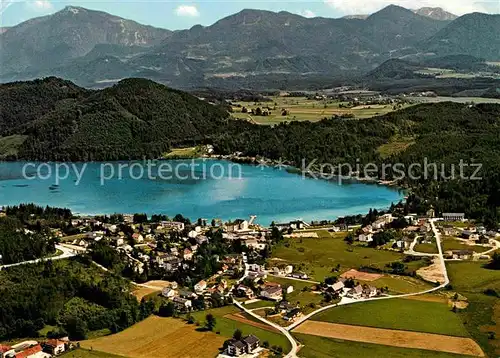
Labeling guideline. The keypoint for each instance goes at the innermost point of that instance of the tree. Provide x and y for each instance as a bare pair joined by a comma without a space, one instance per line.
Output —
167,310
495,262
237,334
210,322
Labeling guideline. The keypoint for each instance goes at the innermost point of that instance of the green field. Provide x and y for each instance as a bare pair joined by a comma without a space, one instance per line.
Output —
227,326
318,256
401,284
452,244
321,347
180,153
302,109
471,279
86,353
427,248
402,314
303,298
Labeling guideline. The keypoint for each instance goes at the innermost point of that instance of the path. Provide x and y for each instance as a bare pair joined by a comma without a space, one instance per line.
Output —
66,253
291,278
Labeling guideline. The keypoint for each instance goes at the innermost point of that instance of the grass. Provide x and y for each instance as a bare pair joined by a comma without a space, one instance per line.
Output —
321,347
85,353
401,284
227,326
9,146
453,244
318,256
459,224
427,248
470,279
399,313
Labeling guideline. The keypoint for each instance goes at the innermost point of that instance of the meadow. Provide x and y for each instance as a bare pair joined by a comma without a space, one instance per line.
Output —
303,109
482,316
399,313
318,256
321,347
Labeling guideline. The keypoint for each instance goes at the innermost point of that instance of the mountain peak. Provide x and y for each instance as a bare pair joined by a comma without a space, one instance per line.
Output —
436,13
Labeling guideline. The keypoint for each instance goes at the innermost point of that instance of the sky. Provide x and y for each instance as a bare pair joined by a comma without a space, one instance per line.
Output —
181,14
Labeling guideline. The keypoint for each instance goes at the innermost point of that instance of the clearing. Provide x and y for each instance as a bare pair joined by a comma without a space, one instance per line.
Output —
9,146
394,338
400,314
85,353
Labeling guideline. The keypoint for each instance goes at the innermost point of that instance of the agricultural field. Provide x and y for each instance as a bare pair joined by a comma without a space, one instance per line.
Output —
401,314
85,353
158,337
322,347
318,256
180,153
302,109
482,316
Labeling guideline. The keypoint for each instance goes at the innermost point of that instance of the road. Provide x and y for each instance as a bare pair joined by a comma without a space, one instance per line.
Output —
346,301
66,253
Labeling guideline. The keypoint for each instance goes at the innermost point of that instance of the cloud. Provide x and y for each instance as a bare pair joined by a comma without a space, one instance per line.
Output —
187,10
458,7
39,5
307,13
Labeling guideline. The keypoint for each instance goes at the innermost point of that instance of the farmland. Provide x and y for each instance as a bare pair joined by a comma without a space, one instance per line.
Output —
322,347
449,243
391,337
402,314
303,109
85,353
159,337
482,316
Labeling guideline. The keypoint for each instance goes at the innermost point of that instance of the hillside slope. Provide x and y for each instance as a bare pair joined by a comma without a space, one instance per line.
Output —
132,119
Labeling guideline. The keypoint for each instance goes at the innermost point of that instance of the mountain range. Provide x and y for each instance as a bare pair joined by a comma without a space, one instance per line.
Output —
96,49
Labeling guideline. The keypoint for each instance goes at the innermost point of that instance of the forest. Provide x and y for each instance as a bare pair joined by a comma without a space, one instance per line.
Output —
73,296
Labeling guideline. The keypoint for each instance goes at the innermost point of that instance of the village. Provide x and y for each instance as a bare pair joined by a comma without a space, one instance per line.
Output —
169,261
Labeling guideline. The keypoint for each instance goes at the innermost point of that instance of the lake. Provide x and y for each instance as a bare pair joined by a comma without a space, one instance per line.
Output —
193,188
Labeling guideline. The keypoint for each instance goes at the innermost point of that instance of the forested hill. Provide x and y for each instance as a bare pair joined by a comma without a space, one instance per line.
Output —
53,119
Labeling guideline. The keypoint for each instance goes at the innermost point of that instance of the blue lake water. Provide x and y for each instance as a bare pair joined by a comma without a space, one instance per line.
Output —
200,188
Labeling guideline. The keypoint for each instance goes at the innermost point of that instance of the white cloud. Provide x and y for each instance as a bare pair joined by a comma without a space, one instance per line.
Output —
187,10
39,5
458,7
307,13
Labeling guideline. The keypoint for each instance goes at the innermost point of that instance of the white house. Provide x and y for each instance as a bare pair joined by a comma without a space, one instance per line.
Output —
168,292
200,286
355,292
365,237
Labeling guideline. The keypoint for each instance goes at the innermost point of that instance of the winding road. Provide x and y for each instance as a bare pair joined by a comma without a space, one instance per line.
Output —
66,253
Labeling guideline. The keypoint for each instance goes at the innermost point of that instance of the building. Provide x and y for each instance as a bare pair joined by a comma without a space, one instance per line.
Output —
32,352
247,345
453,216
172,225
338,286
370,291
187,254
292,315
237,225
236,348
355,292
365,238
245,291
182,304
54,346
272,293
469,235
168,292
6,351
200,286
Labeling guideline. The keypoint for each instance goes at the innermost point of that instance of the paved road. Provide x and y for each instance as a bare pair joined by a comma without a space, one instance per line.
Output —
291,278
66,253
